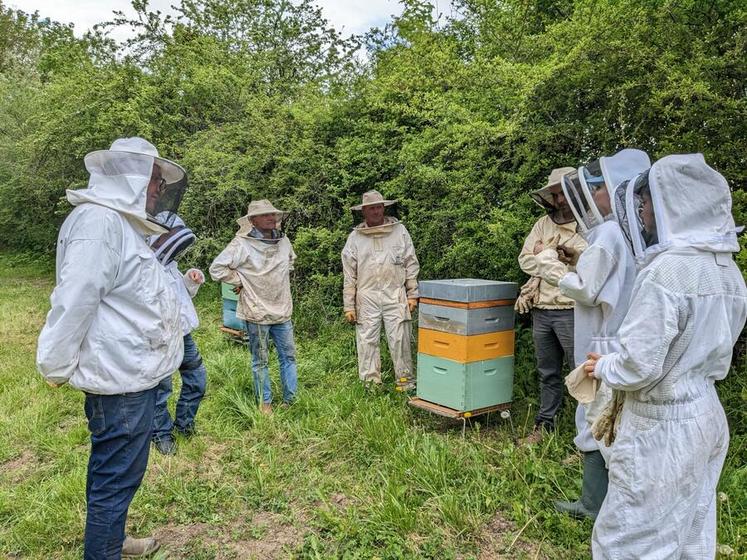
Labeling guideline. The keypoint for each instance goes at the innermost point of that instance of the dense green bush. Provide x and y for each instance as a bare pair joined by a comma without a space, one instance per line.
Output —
457,118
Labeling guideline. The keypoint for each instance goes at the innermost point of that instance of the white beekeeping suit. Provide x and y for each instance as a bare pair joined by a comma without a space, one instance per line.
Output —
687,309
114,324
600,284
381,270
603,278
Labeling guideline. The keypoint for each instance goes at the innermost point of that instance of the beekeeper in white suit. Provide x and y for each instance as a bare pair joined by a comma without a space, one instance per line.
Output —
114,329
381,285
687,309
600,285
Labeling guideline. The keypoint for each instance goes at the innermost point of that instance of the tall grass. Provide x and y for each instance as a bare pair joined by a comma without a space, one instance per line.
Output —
350,473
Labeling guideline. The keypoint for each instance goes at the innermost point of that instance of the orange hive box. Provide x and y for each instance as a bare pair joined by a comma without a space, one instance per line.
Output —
462,348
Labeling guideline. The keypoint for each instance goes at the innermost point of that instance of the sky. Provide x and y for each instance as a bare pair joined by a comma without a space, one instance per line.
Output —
348,16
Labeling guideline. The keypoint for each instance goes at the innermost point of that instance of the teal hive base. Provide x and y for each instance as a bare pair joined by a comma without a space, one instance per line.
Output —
465,386
229,316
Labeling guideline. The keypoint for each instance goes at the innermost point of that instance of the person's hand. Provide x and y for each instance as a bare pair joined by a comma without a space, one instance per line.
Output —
351,317
412,304
568,255
196,276
528,296
236,289
538,248
523,304
590,364
54,385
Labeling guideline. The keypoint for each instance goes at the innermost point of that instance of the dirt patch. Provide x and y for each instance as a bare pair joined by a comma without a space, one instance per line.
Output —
340,500
17,469
500,539
267,536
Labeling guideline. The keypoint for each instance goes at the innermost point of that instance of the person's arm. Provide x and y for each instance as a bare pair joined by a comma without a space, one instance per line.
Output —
412,268
86,274
224,267
350,275
193,279
593,270
549,268
527,258
647,332
292,259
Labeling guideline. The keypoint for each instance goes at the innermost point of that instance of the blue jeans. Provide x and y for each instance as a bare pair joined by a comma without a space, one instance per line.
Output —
259,345
194,380
120,427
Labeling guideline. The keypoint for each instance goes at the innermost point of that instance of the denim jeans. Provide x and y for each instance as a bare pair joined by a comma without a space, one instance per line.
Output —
259,345
120,427
194,380
552,330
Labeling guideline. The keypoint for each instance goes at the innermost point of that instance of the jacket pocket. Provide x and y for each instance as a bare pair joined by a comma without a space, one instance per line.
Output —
397,255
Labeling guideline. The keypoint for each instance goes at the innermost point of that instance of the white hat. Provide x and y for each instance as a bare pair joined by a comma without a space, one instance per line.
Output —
257,208
172,172
371,198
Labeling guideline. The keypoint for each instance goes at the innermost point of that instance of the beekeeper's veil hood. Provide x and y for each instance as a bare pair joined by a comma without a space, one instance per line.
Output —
608,172
121,180
691,206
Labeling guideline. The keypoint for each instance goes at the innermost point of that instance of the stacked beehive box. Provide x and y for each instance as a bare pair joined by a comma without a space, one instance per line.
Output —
230,301
466,343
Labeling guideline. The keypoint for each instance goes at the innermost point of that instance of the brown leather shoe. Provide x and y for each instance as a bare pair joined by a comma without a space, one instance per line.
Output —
533,438
265,408
139,548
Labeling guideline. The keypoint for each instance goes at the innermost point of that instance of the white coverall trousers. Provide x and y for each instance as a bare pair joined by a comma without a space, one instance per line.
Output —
663,471
372,310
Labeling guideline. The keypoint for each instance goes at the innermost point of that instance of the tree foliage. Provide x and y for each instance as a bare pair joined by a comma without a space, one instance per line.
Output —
457,118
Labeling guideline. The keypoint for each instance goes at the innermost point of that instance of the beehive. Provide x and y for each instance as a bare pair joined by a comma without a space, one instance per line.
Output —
466,343
230,301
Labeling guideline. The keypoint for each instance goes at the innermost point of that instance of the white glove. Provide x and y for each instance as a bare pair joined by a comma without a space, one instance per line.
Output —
528,296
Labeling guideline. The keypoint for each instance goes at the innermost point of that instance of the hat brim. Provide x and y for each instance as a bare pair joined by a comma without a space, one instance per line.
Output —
245,222
172,172
360,207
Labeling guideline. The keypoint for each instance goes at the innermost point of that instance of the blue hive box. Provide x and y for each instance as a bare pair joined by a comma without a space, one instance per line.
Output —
467,290
465,321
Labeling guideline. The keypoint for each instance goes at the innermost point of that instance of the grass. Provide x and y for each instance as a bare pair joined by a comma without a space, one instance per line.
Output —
344,473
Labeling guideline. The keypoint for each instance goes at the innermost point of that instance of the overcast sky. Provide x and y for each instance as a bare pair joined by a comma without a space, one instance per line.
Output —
348,16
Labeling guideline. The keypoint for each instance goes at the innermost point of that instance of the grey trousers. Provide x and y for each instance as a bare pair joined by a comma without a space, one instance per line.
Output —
552,330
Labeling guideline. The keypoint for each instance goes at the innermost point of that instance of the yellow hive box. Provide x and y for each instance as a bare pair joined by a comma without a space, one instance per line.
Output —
463,348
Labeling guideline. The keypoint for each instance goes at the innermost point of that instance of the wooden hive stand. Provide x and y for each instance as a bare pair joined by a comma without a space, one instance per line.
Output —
445,411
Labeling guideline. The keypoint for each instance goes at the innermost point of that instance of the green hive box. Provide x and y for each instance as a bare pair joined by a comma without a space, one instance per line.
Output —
465,387
226,291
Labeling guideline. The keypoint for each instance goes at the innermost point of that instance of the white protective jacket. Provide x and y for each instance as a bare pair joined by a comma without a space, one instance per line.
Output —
185,290
688,307
545,230
601,286
380,267
262,268
114,324
602,282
